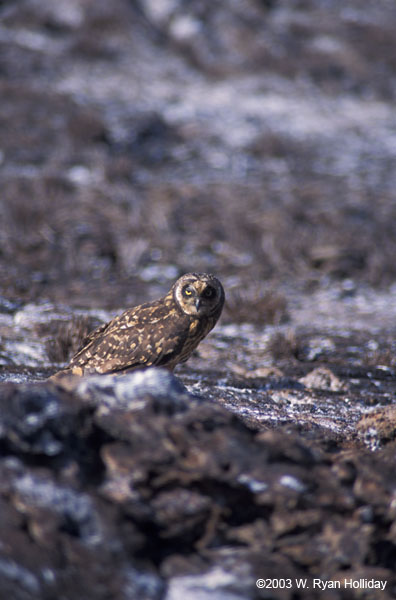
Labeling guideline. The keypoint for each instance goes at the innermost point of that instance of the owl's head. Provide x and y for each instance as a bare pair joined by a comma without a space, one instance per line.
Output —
199,295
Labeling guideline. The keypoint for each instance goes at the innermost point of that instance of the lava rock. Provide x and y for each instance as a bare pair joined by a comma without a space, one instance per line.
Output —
151,492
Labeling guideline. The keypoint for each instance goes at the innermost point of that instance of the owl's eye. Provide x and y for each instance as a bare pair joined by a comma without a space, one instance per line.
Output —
209,292
187,291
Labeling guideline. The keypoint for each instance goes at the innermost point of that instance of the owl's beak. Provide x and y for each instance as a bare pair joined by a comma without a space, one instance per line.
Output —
198,303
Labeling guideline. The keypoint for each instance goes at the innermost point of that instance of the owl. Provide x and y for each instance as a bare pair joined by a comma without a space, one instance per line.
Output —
162,333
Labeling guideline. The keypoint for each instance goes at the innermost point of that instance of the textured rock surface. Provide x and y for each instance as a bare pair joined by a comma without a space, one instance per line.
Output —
132,488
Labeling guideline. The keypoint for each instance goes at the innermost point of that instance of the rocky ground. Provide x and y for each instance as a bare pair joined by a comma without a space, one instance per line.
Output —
256,140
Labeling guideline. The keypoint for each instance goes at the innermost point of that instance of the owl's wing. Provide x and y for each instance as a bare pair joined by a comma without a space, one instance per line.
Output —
138,338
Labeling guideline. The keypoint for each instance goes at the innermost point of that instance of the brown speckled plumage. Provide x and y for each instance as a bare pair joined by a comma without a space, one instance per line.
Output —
160,333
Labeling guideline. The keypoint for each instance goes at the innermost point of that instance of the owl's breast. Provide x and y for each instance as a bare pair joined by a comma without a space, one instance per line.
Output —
198,329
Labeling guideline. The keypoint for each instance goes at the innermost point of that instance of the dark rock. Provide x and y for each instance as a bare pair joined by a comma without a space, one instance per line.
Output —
144,472
34,420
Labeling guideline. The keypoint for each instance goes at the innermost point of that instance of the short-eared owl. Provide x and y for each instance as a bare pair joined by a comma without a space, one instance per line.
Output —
160,333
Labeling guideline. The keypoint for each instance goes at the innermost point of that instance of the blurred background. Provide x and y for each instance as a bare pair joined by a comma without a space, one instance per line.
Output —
141,139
